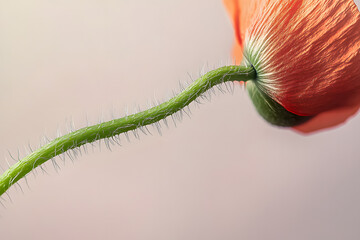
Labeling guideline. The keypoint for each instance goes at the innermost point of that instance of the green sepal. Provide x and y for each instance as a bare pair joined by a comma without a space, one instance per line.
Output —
271,110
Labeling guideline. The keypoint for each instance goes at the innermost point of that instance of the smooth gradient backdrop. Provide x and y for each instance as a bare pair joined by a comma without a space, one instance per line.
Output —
223,174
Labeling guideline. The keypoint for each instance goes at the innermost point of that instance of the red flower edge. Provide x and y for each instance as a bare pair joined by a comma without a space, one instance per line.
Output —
330,100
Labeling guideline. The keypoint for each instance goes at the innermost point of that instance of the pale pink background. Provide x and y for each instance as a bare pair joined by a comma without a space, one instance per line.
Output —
224,174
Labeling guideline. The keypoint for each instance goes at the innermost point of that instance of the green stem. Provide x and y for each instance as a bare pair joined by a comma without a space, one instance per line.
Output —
122,125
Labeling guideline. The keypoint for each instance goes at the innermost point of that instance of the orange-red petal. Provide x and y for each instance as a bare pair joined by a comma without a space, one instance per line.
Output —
307,53
330,118
242,13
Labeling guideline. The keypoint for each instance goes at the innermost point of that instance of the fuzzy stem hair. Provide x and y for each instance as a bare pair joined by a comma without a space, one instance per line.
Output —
115,127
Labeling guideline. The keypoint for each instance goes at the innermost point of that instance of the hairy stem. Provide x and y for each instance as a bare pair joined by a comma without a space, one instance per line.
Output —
122,125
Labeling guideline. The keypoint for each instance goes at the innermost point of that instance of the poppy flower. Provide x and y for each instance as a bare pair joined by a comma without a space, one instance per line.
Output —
307,57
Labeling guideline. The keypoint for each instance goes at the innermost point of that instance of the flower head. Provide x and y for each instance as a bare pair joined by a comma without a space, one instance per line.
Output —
307,57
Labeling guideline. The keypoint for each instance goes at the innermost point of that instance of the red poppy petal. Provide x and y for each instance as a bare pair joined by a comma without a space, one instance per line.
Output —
242,13
330,118
327,120
307,53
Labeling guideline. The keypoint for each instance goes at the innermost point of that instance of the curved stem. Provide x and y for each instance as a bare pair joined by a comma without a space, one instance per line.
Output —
125,124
